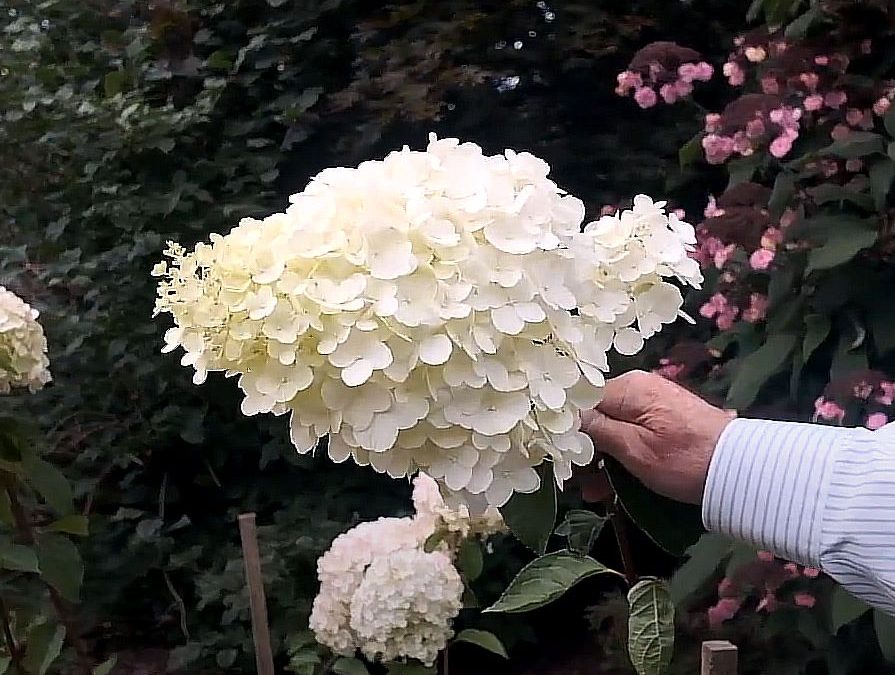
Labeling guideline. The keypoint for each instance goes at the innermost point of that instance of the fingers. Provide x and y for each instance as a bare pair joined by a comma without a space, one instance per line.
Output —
628,396
616,438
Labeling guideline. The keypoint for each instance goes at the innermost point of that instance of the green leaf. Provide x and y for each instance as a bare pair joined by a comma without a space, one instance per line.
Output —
469,559
346,666
483,639
530,517
799,26
884,625
856,145
704,558
650,627
43,647
73,524
889,121
691,151
841,246
183,655
671,525
784,188
828,192
757,368
50,483
545,579
741,170
844,608
106,666
61,565
817,328
581,529
18,558
881,173
114,82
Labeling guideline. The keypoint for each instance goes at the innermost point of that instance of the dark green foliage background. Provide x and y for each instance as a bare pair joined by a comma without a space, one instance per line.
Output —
129,123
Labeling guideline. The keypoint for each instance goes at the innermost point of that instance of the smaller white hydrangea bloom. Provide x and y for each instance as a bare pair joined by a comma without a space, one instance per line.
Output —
23,346
404,606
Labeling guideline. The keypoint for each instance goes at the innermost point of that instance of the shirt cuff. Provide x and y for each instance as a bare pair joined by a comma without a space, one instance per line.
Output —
767,484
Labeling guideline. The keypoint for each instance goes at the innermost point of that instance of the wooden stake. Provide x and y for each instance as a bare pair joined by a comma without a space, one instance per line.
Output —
719,657
257,603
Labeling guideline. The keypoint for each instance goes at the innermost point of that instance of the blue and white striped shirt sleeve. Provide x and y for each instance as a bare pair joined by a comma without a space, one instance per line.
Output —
817,495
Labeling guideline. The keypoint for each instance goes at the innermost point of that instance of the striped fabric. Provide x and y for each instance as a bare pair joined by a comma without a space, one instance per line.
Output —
818,495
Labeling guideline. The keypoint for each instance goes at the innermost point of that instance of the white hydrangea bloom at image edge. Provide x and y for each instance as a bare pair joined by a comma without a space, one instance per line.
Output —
23,346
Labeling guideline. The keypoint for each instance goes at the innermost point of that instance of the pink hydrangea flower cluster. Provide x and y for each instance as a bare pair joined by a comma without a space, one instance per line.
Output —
762,579
741,131
870,393
662,71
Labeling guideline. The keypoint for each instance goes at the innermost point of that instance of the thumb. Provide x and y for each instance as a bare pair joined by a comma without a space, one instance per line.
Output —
620,440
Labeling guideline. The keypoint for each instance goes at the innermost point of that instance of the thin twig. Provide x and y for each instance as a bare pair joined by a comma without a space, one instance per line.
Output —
619,526
181,606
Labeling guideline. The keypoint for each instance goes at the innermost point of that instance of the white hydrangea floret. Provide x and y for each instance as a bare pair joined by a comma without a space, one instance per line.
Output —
438,311
23,346
431,508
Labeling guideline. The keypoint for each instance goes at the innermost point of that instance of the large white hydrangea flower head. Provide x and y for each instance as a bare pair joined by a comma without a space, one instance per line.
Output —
438,310
455,522
23,346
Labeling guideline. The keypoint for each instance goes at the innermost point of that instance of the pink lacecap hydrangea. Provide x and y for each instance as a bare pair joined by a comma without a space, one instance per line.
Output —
645,97
766,556
814,102
725,610
803,599
734,74
835,99
881,107
887,396
717,148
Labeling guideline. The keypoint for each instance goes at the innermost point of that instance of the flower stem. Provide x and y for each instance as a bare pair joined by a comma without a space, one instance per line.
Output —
619,525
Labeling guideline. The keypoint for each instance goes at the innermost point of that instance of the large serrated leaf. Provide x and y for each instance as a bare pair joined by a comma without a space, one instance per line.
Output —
857,144
841,246
650,627
348,666
531,517
581,529
484,639
844,608
50,483
545,579
817,328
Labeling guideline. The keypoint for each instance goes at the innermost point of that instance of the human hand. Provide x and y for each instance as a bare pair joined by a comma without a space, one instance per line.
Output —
659,431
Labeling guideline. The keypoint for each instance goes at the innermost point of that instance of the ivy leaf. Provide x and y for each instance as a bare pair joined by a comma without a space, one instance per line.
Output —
799,26
841,246
671,525
545,579
884,625
72,524
346,666
50,483
483,639
856,145
530,517
650,627
844,608
43,647
704,558
469,559
581,529
61,565
18,558
881,173
756,368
